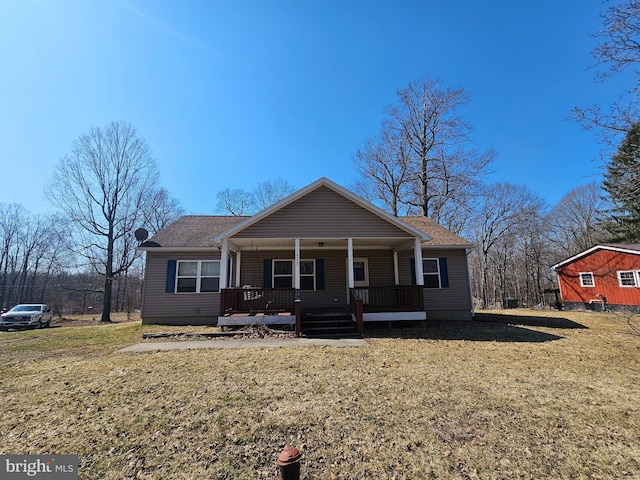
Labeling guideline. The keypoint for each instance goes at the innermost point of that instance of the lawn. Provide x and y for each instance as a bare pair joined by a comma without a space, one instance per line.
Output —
522,394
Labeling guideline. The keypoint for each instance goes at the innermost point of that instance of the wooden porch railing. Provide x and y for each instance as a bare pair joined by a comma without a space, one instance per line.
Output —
269,301
405,298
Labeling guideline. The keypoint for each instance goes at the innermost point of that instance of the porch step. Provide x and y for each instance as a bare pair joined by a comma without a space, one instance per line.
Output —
329,326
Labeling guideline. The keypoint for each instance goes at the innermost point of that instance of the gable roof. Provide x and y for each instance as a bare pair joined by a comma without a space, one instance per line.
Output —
192,232
323,182
630,248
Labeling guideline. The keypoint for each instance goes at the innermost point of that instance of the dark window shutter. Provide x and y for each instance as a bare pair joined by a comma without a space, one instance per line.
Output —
413,271
444,273
268,275
319,273
171,276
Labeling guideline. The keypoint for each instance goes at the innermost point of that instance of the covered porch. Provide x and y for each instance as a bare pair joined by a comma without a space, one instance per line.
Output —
278,306
289,281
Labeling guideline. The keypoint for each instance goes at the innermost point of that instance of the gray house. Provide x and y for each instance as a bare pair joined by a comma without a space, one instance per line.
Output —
322,254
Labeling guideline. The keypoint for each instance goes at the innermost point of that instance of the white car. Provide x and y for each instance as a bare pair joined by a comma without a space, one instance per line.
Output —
36,315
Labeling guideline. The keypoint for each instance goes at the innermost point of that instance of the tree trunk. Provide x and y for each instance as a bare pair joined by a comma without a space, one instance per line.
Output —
106,305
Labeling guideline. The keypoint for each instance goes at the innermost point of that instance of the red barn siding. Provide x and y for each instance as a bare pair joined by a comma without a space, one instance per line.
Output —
605,265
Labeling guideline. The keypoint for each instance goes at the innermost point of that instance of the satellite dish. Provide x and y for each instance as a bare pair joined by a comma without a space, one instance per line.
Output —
141,234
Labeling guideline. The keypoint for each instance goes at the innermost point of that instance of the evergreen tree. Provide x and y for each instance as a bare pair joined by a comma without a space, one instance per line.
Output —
622,185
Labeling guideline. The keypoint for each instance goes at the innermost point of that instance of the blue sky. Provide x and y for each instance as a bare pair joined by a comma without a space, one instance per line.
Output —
233,93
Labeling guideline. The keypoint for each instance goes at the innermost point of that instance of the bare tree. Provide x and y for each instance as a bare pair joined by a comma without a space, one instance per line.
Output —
619,47
384,167
236,202
28,253
163,210
573,222
618,51
506,209
12,222
269,192
434,165
239,202
103,189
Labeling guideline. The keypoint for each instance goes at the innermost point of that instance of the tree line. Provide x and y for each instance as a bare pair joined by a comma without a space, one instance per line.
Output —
83,257
37,267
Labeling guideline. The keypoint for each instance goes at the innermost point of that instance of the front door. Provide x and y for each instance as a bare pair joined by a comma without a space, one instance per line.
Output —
361,278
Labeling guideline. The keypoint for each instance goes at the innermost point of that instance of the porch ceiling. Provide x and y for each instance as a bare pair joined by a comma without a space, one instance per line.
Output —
327,243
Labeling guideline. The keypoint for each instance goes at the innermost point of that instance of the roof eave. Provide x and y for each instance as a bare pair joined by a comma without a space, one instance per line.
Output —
591,250
212,248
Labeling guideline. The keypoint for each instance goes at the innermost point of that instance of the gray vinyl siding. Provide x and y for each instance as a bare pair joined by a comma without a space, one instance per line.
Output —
162,307
322,214
457,296
159,304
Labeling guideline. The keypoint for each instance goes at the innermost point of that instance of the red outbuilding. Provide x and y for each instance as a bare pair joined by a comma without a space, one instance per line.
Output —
604,276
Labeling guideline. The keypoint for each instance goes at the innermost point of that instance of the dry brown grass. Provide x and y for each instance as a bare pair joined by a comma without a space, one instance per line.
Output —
520,395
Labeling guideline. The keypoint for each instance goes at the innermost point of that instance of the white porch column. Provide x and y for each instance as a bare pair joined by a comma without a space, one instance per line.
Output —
396,271
296,268
224,262
238,255
350,262
417,253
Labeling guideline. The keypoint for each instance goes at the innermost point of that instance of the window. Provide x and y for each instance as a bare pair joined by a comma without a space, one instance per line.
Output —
283,274
307,275
431,272
627,279
198,276
586,279
359,271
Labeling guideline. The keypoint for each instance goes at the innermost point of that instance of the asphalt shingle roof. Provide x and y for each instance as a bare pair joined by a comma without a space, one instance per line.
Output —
194,231
199,230
440,236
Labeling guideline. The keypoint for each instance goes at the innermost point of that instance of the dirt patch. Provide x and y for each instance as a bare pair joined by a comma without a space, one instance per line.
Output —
206,333
261,331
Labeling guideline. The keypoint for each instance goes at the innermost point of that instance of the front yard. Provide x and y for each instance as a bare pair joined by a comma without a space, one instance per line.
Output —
521,394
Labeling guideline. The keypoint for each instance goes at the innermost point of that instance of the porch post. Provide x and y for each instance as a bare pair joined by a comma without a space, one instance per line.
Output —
396,271
296,268
350,262
238,255
417,253
224,260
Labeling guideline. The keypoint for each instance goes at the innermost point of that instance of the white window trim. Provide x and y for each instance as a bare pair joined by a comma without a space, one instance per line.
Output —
293,273
424,274
593,279
198,277
635,275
